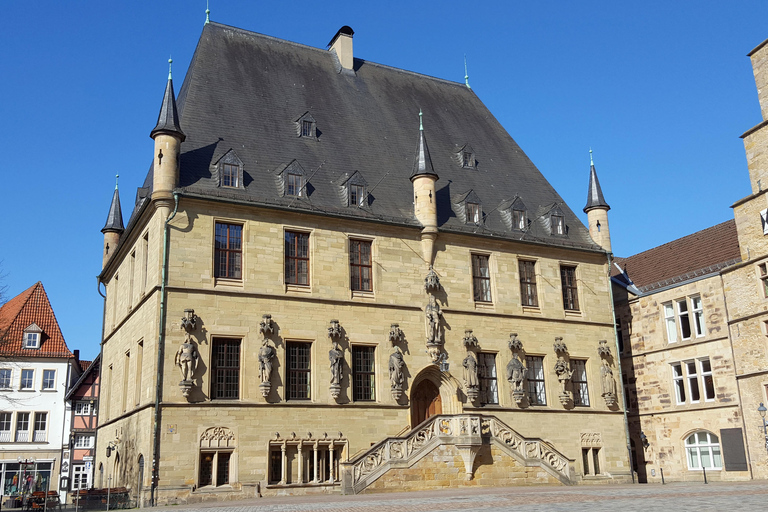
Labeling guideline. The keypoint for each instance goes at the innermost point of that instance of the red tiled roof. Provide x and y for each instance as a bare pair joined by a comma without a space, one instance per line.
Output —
31,306
700,253
84,365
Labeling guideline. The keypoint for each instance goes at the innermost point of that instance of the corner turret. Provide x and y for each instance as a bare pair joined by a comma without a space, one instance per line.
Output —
597,210
423,178
168,138
113,228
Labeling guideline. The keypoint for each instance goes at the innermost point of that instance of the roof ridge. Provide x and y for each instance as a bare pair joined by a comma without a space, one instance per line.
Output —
677,240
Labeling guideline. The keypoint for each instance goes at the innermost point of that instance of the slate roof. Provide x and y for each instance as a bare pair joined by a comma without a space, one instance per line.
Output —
595,197
31,306
115,215
701,253
244,91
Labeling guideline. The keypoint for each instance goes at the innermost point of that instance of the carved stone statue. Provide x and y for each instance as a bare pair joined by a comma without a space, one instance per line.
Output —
266,353
186,359
471,382
563,375
433,313
516,373
396,377
335,356
609,384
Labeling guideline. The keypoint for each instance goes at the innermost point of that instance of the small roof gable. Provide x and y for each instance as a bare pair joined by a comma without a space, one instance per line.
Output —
88,368
31,307
704,252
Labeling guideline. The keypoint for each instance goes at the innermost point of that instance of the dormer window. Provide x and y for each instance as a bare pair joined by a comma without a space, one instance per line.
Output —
32,336
306,127
229,170
293,185
356,195
518,219
473,213
465,156
291,180
557,221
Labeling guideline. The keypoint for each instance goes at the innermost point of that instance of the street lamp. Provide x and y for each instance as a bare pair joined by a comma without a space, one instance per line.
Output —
762,410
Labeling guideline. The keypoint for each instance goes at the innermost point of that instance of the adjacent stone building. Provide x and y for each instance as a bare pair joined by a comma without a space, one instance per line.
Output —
308,297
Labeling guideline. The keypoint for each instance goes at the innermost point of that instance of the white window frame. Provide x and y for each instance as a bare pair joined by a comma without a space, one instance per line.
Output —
22,435
81,477
82,409
704,375
83,441
670,322
31,340
710,447
687,309
697,309
53,380
6,433
6,383
692,382
683,314
39,436
32,379
678,376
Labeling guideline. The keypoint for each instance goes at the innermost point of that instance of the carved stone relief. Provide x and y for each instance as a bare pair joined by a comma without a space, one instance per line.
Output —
608,383
471,382
396,376
336,357
433,315
187,356
516,371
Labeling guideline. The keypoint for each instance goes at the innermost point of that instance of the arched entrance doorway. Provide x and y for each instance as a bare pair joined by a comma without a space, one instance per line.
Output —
425,402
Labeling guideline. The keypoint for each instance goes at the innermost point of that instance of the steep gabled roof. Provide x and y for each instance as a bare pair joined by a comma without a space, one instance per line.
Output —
91,368
31,307
701,253
243,90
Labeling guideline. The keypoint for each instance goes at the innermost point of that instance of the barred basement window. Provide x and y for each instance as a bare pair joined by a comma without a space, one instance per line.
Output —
228,252
225,371
298,364
364,373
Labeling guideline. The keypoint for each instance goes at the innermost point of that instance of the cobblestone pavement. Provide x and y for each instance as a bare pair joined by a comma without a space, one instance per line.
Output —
698,497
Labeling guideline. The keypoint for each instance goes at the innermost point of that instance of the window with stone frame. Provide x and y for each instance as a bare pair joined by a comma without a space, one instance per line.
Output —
693,379
6,375
228,251
703,450
489,384
535,380
569,288
225,369
360,265
5,427
22,427
579,382
297,258
481,278
214,468
528,295
762,270
590,458
27,379
684,319
49,379
363,373
298,370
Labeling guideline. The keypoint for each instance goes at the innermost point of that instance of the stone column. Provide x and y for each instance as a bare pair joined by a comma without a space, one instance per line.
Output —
330,462
317,479
283,479
301,462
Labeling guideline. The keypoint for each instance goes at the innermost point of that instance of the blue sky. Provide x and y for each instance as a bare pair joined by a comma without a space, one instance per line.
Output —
660,90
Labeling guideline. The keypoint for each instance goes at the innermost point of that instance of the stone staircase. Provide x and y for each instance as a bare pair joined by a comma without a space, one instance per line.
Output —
467,433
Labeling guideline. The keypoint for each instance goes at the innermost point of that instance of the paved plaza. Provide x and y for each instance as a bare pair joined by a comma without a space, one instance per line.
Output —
623,498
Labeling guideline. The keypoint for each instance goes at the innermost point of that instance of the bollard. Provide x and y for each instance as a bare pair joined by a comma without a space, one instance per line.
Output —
705,473
662,475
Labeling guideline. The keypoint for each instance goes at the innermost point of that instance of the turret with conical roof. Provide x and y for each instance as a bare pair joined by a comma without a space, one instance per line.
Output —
113,228
423,178
168,138
597,210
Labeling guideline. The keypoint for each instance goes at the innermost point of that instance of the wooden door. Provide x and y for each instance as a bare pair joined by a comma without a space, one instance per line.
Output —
425,402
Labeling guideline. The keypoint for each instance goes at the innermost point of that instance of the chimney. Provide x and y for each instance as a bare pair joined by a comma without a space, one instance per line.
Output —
77,354
341,44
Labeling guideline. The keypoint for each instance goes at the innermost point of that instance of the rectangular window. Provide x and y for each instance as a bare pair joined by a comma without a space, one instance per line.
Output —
5,427
80,477
579,382
669,320
31,340
619,335
83,441
306,128
41,422
473,213
49,379
528,283
698,316
682,315
558,225
206,469
22,427
518,219
226,369
535,378
276,466
360,266
591,460
298,371
137,380
222,468
229,177
126,379
691,379
763,270
356,195
481,278
5,378
228,255
27,379
82,409
131,276
467,160
297,258
678,382
364,373
707,381
489,386
570,292
293,185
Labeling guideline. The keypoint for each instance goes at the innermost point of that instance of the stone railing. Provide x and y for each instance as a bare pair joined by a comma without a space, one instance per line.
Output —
468,432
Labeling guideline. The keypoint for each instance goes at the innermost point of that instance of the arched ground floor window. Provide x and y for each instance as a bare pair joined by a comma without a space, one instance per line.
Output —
703,451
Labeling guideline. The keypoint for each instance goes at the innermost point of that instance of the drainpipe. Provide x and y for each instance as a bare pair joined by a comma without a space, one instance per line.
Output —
161,354
618,367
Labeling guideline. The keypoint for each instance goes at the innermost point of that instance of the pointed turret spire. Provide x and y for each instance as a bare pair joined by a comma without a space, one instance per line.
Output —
595,197
423,163
168,120
115,216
